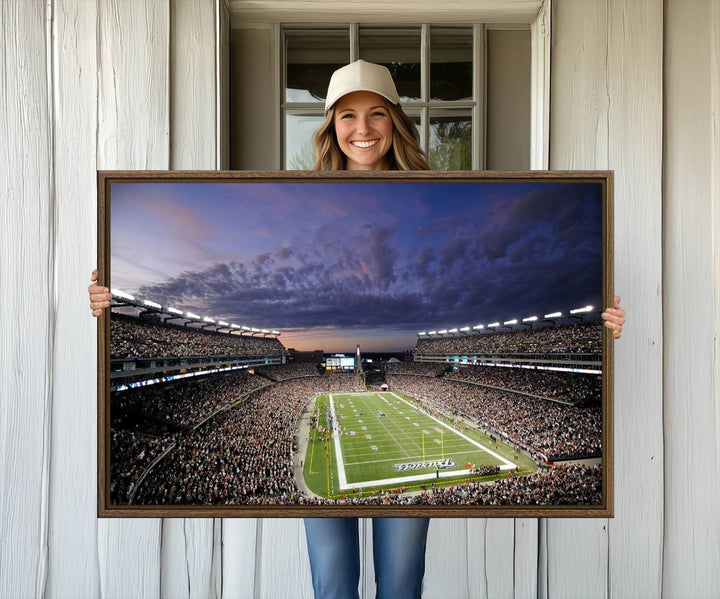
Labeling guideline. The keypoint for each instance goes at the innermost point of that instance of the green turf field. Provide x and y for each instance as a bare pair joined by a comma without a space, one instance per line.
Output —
380,440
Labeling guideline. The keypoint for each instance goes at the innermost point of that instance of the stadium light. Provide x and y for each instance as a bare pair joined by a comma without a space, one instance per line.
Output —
554,315
276,332
206,319
513,321
530,319
493,324
432,333
453,331
423,333
581,310
254,330
244,328
443,332
122,294
477,327
235,326
465,329
264,331
191,315
151,304
223,324
175,311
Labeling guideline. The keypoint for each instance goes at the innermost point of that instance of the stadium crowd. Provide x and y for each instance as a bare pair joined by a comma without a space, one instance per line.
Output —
419,368
336,382
182,403
575,388
244,456
131,453
132,337
554,430
283,372
559,485
576,338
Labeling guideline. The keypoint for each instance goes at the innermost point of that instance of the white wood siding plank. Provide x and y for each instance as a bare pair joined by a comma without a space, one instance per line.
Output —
282,569
635,48
193,82
577,550
450,545
27,315
73,561
499,557
187,558
525,562
691,326
133,125
239,558
187,544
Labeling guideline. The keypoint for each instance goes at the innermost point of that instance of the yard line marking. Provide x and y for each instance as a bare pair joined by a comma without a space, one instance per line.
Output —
342,480
508,463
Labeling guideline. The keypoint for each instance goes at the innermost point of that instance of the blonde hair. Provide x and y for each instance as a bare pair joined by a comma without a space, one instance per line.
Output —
404,155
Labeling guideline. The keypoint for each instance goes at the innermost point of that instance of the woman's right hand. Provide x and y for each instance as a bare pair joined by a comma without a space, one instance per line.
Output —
99,296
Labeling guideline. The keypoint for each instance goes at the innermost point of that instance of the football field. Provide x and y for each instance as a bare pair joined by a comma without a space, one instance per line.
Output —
380,440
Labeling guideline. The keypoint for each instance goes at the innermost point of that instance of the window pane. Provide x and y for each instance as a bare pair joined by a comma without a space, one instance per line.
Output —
311,57
414,115
398,50
299,149
450,140
451,56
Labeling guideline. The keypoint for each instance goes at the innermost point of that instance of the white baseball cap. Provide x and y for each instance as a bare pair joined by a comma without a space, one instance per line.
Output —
361,76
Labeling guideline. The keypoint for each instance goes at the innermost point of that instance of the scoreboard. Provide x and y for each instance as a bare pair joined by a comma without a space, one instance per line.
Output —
339,363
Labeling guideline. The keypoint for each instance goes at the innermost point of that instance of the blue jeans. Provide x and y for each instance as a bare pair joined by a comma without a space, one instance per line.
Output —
398,551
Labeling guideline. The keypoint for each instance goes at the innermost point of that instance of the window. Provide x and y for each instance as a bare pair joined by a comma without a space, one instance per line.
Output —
436,69
468,88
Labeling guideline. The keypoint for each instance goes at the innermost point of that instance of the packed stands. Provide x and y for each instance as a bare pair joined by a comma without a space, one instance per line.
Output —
131,453
553,430
570,387
417,368
558,485
186,402
137,338
243,456
283,372
576,338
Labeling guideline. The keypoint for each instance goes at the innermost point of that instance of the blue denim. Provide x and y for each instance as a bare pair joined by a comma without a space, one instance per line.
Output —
398,552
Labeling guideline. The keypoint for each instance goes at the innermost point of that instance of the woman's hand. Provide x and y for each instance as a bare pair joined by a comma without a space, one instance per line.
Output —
615,318
99,296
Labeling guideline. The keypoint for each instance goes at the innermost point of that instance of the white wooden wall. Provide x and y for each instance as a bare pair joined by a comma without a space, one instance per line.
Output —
635,87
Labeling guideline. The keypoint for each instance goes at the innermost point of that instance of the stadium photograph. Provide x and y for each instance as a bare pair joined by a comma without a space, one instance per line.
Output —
285,342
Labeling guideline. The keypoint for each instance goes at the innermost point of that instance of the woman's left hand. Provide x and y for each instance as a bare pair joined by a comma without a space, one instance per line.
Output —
615,318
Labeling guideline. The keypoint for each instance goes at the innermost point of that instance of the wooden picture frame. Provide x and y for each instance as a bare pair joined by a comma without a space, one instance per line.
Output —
342,254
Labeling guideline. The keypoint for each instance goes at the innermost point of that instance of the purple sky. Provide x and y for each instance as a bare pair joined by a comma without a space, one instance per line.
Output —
332,265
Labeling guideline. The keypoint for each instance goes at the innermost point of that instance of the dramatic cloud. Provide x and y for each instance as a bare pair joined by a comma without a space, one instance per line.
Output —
318,258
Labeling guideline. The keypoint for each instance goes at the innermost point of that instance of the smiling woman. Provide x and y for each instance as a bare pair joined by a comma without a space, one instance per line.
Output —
363,106
364,131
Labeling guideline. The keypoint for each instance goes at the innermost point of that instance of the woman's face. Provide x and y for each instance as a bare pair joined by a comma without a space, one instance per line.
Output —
364,130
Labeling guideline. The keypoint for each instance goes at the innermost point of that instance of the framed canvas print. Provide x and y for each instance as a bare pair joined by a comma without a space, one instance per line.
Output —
355,344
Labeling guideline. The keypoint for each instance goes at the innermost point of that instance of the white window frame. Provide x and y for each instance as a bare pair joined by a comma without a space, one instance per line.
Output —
533,13
476,106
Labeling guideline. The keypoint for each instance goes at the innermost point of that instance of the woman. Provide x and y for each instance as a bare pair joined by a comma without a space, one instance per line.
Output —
365,129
